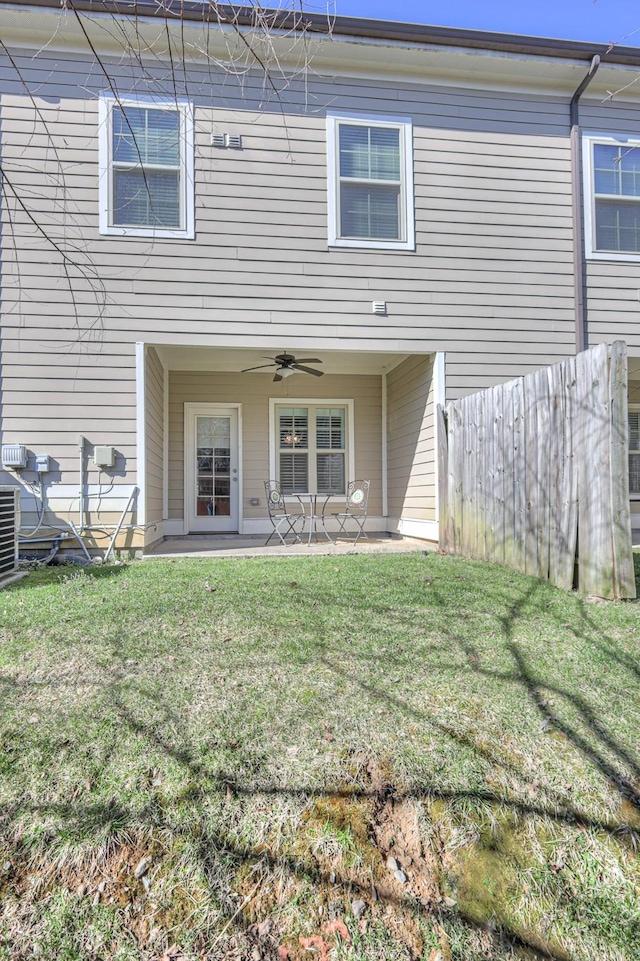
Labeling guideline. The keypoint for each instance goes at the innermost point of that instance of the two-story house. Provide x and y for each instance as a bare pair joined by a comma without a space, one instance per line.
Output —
403,208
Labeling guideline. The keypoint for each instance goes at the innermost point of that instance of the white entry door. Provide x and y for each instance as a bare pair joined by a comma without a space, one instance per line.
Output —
212,474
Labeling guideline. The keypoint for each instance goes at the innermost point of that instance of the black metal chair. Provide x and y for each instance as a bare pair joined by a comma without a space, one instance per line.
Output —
355,510
284,521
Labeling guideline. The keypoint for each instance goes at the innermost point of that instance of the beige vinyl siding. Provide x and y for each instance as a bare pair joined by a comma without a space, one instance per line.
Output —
154,436
253,392
49,398
490,281
492,215
410,440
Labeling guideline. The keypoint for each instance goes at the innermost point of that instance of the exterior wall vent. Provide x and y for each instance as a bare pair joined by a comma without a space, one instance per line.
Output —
14,456
218,140
380,308
9,524
234,140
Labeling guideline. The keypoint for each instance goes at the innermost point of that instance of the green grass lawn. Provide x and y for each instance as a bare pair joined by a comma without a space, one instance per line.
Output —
453,745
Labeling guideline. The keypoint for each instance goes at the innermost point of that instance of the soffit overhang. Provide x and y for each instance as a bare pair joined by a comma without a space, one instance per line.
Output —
383,52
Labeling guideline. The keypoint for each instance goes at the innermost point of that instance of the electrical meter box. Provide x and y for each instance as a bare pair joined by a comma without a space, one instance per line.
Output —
104,456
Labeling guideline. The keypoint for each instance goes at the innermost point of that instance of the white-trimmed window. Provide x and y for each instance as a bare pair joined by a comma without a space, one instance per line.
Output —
370,172
612,197
634,450
146,167
311,447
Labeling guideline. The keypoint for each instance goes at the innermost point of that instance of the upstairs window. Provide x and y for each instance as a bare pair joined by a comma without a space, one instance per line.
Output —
146,176
612,198
370,166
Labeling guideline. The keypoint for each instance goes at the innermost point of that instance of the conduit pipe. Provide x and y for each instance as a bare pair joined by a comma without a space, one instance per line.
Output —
81,454
579,263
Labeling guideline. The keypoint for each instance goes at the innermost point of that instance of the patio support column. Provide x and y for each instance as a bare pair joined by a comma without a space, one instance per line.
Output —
385,467
165,447
141,443
439,398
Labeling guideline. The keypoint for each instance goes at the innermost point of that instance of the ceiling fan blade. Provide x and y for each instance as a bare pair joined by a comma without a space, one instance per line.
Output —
261,367
308,360
308,370
277,379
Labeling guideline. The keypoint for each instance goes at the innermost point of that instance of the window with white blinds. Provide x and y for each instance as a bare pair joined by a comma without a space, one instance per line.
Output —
370,167
612,202
147,168
311,449
634,451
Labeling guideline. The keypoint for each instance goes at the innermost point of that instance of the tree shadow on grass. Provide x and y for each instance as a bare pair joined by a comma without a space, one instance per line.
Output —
221,857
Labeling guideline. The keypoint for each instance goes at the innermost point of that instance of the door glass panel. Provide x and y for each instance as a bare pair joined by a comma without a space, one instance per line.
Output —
213,466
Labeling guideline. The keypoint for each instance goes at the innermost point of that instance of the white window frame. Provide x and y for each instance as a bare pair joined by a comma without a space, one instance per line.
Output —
589,140
274,450
634,495
105,148
407,211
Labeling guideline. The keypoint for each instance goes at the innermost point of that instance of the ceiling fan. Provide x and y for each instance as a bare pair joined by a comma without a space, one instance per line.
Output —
287,364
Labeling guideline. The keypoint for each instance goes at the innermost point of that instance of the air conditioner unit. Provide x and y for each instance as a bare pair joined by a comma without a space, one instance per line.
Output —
9,525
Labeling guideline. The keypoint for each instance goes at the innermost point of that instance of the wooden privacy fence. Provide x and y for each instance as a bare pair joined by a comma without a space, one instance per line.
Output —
534,474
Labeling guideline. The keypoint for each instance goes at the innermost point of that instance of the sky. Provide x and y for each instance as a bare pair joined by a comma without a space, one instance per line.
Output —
603,21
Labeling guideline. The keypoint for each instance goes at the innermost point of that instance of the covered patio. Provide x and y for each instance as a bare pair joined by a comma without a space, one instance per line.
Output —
212,430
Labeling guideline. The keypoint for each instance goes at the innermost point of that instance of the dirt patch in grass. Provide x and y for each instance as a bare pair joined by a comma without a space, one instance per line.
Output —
365,851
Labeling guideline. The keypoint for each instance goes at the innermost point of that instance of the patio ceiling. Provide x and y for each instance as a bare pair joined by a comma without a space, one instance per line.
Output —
237,359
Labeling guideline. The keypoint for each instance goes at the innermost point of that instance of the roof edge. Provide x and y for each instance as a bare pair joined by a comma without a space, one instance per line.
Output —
360,28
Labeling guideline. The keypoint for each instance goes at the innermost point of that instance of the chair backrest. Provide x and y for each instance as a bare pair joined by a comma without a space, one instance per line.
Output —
275,498
358,496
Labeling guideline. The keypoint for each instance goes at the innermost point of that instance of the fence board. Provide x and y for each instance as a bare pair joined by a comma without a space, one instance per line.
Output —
481,476
623,571
535,471
531,483
541,382
498,498
490,469
519,471
508,477
557,437
595,548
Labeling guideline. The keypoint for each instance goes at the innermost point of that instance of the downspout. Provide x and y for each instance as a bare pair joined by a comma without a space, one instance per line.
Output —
579,265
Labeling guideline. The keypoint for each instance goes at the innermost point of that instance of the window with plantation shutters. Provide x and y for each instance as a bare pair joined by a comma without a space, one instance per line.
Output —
146,181
634,451
370,181
311,449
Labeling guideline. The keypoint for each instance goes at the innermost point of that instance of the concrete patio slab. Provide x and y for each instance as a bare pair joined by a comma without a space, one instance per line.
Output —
236,545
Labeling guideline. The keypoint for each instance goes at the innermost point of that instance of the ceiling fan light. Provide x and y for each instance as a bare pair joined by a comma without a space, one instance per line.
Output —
286,372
